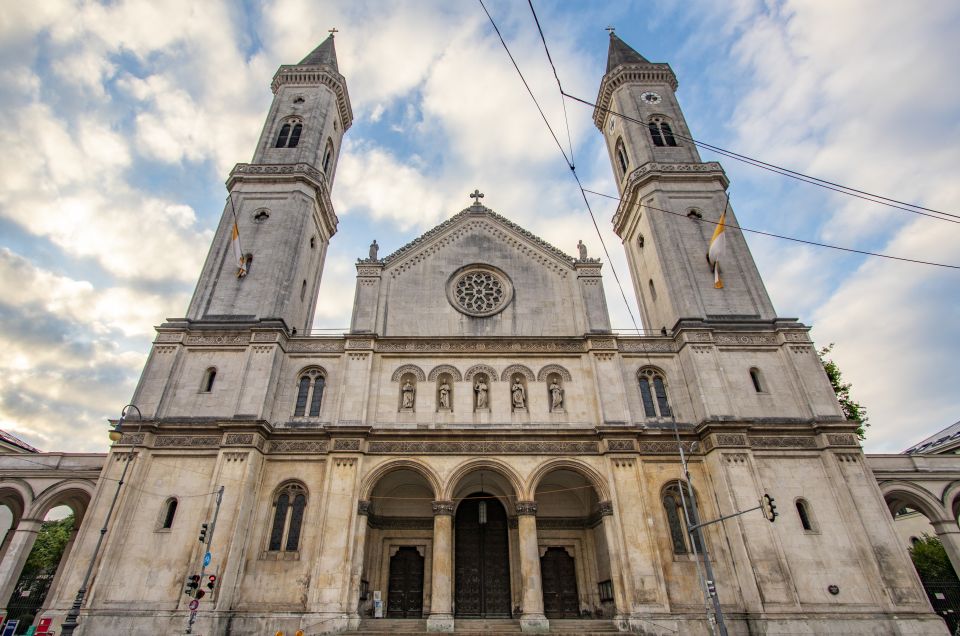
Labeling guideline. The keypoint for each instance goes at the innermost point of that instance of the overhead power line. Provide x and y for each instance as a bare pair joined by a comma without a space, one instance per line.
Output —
793,174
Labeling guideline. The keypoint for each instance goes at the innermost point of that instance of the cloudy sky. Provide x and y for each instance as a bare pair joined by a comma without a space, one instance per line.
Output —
122,119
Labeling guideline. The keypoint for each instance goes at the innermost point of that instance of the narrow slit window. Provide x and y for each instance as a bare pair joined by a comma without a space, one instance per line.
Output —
622,157
661,392
755,378
208,379
302,391
169,514
317,396
327,156
295,136
303,290
647,397
284,134
296,521
279,520
804,515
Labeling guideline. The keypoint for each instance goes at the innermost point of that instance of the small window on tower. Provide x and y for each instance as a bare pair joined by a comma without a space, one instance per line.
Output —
284,135
313,242
290,133
755,378
261,215
667,134
655,134
327,156
622,161
295,136
209,377
303,290
661,133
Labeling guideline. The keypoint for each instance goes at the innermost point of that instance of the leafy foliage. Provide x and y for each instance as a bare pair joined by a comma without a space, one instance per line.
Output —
49,546
931,560
853,411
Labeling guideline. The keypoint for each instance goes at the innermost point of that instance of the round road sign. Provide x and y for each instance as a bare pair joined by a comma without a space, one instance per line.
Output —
194,604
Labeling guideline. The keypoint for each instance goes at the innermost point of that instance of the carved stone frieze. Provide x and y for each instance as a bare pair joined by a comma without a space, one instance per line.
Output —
629,345
262,348
346,444
169,337
408,368
265,336
783,442
369,271
665,448
515,369
526,507
313,345
482,448
476,369
842,439
359,343
238,439
130,439
730,439
443,507
621,445
745,339
445,368
603,343
219,339
791,336
298,446
545,372
187,441
345,462
482,346
698,336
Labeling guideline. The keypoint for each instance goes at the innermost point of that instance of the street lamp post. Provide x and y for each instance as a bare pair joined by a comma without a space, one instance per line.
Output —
70,622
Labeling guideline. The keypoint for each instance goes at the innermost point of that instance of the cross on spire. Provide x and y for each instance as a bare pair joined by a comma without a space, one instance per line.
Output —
333,31
476,196
611,29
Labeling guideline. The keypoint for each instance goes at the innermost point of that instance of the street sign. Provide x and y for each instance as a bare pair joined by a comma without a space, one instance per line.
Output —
206,559
194,604
11,627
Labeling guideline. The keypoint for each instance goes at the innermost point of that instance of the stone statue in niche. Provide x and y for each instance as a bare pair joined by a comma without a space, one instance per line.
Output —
518,394
583,250
480,388
373,250
444,395
556,395
407,393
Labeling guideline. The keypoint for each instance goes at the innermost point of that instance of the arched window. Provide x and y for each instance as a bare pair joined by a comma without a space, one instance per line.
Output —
284,135
289,135
169,512
755,378
209,376
806,518
653,392
327,157
309,391
673,498
622,162
661,133
288,506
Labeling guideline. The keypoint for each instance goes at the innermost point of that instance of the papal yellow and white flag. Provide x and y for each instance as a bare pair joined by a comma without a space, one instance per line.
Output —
238,253
717,249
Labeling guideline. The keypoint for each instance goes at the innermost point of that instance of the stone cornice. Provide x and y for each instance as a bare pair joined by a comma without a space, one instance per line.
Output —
646,73
317,75
302,172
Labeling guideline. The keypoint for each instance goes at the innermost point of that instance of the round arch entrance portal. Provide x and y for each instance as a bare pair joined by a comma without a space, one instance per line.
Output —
482,558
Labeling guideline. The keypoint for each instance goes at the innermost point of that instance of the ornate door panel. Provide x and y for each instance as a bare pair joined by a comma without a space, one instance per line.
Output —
405,594
560,598
481,559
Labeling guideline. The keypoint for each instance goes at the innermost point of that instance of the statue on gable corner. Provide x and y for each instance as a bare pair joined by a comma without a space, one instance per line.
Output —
583,250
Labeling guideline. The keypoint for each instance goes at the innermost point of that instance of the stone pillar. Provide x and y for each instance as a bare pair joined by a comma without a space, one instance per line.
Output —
949,534
356,564
17,553
605,508
441,600
531,618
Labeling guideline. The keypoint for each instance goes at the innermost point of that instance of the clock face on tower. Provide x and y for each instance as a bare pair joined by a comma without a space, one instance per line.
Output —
651,98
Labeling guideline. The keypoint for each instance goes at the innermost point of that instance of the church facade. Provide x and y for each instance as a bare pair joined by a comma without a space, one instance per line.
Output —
480,444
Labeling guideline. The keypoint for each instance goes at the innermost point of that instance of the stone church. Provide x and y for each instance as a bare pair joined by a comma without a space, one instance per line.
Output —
480,444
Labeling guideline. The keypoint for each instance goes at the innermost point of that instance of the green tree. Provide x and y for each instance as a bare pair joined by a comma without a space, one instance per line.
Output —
931,560
853,411
49,546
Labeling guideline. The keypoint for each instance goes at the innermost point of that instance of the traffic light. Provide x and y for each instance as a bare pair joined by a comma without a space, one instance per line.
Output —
203,532
769,508
193,582
211,582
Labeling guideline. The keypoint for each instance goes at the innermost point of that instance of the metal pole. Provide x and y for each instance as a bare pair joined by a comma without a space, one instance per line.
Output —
711,584
203,568
70,622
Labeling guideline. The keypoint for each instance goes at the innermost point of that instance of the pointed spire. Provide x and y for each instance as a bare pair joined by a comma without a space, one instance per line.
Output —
621,53
323,55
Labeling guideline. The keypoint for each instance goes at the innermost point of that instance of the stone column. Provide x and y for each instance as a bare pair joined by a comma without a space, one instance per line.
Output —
949,534
531,618
17,553
605,508
356,564
441,600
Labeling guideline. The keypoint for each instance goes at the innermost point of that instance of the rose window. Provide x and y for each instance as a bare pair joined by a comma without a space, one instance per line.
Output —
479,291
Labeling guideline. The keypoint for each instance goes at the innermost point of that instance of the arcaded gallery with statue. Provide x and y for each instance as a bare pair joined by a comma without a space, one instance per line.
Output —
480,444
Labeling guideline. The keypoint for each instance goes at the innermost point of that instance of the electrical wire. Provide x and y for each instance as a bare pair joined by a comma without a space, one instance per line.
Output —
563,102
793,174
792,238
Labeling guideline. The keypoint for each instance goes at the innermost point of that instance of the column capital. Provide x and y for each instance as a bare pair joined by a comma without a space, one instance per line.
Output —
526,508
364,507
605,508
443,507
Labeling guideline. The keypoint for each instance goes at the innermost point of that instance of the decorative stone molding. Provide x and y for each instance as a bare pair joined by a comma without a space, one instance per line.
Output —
443,507
745,339
298,446
346,444
791,336
445,368
187,441
621,445
344,462
486,369
783,442
482,448
169,337
702,348
130,439
842,439
314,345
526,508
220,339
369,271
514,369
480,346
847,458
262,348
730,439
543,373
603,343
364,507
698,336
800,349
605,356
623,462
235,457
645,345
359,343
238,439
605,508
408,368
264,336
164,349
666,448
735,458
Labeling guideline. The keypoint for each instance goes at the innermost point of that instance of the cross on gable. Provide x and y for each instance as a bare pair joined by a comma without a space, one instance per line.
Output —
476,196
333,31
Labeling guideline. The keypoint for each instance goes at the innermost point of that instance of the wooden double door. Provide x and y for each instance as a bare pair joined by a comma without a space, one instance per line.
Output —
405,591
558,575
481,559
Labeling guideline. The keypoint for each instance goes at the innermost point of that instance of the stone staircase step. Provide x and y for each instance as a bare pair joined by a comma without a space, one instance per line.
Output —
481,627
